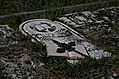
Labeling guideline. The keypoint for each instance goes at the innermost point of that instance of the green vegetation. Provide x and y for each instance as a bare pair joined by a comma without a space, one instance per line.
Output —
15,6
87,69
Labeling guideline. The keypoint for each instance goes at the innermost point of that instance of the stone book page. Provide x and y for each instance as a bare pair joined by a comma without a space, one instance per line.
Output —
52,51
81,49
75,55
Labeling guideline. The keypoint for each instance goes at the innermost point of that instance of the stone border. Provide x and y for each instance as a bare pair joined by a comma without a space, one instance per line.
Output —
43,13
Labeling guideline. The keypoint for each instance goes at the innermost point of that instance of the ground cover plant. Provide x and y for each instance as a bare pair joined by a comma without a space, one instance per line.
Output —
15,6
87,69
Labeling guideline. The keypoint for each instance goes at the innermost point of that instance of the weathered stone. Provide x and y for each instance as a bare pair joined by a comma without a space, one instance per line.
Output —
88,22
39,30
109,14
18,69
7,36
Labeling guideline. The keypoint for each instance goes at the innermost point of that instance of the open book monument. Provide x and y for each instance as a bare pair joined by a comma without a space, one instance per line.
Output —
60,39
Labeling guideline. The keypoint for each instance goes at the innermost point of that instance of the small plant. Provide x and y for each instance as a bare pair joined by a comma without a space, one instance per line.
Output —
29,53
112,50
37,56
15,53
36,47
2,49
6,52
13,22
100,13
56,62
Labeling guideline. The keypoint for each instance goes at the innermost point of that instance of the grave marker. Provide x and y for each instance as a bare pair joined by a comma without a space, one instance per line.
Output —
53,33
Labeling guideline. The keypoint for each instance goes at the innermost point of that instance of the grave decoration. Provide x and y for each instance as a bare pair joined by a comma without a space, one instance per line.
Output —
60,40
7,36
66,50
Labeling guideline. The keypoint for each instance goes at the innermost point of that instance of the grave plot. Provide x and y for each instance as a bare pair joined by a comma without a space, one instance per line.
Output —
60,40
93,22
7,36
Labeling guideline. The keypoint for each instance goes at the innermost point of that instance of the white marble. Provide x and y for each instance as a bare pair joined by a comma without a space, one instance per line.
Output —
39,29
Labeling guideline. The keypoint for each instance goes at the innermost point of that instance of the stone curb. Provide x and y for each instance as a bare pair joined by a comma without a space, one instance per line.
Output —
43,13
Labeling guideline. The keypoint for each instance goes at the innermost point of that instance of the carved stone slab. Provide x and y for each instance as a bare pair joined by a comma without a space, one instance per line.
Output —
47,31
7,36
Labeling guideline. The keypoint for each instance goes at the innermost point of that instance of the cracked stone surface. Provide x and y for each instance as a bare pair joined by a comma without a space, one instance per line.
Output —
90,23
7,36
43,30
